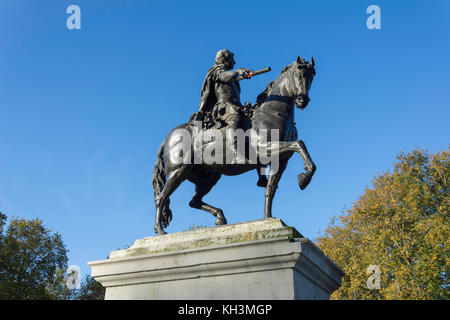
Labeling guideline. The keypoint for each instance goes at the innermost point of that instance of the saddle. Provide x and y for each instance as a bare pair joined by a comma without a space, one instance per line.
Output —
212,120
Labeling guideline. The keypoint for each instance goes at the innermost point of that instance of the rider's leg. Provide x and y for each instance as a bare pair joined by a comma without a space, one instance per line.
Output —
232,124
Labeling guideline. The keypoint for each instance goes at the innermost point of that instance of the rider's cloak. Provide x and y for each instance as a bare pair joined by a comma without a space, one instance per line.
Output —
208,97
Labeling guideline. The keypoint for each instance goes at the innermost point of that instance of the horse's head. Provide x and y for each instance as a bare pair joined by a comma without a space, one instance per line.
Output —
303,73
294,83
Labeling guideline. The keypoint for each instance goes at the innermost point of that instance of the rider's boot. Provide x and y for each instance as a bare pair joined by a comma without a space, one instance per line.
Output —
262,181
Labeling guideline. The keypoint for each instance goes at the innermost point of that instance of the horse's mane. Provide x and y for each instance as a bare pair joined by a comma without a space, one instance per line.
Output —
263,95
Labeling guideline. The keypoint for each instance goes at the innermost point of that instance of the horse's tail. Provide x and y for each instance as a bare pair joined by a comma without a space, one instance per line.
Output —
158,182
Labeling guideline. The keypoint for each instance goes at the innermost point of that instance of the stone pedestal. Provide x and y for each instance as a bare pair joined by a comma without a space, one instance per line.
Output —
262,259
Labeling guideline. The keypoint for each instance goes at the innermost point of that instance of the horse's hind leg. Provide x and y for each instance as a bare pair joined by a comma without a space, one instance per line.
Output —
202,187
174,179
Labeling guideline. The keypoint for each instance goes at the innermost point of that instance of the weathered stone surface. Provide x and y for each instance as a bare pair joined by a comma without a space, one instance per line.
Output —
205,237
263,259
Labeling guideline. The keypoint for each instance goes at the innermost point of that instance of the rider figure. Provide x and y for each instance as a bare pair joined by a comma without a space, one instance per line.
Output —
220,97
221,92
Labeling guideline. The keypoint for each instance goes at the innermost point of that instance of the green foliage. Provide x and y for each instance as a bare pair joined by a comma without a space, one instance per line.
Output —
2,223
31,260
400,224
90,290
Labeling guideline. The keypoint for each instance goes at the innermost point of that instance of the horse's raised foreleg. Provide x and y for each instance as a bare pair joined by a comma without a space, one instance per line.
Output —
272,186
279,148
304,178
202,187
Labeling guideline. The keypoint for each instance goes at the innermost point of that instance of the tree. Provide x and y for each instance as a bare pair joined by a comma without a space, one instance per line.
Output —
401,224
90,290
32,260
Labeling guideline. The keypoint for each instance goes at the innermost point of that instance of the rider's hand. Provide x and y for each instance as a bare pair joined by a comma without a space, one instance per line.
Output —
246,73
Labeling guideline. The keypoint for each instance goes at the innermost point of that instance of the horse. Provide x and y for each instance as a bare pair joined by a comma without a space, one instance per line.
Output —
273,111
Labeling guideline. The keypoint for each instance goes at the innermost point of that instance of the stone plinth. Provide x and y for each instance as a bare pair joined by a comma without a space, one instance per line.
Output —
263,259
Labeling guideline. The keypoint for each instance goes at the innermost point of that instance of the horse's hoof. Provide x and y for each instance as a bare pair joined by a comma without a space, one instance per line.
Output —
221,221
303,180
160,231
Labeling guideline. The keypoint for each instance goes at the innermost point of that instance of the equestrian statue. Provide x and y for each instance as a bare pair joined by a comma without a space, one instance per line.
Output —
225,137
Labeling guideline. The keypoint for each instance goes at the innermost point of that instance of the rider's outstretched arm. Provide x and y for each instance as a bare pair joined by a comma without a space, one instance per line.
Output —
227,76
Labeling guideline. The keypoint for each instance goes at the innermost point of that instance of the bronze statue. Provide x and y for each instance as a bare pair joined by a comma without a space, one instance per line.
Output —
221,115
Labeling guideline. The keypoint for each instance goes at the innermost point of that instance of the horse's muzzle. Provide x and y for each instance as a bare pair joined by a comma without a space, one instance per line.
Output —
301,101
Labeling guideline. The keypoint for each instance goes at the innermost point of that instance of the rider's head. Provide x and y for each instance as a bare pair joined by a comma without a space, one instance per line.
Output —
226,58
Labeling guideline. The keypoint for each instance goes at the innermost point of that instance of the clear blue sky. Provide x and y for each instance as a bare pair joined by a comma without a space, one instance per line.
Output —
82,112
